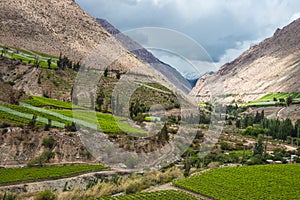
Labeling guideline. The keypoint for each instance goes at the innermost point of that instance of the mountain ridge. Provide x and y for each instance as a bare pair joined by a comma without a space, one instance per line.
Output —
147,57
70,31
271,66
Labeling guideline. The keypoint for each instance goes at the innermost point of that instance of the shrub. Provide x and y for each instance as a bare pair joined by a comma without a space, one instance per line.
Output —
225,146
45,195
4,125
49,142
72,127
42,159
8,196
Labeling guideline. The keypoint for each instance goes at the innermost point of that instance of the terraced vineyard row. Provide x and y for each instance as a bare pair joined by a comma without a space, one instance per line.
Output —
268,100
249,182
29,57
159,195
9,175
21,115
44,102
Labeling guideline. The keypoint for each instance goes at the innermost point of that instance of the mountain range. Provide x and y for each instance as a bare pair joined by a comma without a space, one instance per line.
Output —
54,27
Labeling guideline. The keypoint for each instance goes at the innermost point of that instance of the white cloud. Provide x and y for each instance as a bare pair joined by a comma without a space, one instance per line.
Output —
233,53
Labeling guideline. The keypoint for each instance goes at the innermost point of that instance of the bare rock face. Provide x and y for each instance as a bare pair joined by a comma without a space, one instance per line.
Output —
269,67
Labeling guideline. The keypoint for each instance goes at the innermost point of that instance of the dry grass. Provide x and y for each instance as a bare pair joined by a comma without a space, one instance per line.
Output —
134,183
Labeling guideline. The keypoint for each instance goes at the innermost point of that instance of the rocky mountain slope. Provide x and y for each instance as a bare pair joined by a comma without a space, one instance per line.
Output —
54,27
172,74
271,66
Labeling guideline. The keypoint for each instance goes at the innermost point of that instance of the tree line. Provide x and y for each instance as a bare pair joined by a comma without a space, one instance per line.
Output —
258,124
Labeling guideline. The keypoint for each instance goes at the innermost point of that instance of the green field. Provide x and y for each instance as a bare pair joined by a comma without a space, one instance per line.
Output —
9,175
268,100
159,195
10,118
46,102
155,87
63,115
269,97
104,122
248,182
22,116
29,57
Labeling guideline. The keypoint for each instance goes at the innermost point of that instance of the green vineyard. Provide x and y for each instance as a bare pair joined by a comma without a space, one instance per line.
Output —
61,115
159,195
9,175
249,182
275,99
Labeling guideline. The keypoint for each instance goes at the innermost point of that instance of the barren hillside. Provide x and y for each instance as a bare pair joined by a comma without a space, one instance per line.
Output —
271,66
54,26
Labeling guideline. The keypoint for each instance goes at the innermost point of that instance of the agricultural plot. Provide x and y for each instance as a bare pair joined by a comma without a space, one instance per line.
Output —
155,87
20,117
46,102
9,175
61,117
249,182
105,122
270,97
159,195
41,115
268,100
29,57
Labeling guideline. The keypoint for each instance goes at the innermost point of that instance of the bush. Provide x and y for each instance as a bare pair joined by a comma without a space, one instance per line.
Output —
49,142
134,186
4,125
131,161
224,146
72,127
8,196
254,161
42,159
45,195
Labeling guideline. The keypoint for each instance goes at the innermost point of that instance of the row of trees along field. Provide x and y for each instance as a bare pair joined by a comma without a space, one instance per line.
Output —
276,128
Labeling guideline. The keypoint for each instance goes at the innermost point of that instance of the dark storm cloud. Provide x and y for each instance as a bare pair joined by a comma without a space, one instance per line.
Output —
224,28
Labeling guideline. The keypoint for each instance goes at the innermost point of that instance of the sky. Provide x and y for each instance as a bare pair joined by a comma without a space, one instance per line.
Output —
224,28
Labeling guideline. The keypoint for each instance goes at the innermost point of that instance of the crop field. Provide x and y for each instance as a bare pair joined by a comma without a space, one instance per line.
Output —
104,122
7,117
44,102
21,115
9,175
269,97
248,182
159,195
29,57
28,110
268,100
156,87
